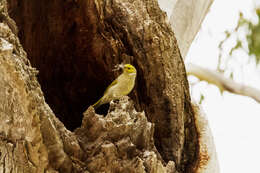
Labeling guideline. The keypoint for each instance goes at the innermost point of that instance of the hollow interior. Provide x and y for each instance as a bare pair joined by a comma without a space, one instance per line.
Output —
74,66
75,51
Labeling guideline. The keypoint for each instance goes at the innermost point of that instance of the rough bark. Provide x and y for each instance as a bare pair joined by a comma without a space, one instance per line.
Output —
120,142
33,140
74,45
23,148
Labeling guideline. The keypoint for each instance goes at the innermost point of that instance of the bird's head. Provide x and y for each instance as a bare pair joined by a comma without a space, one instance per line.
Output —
129,69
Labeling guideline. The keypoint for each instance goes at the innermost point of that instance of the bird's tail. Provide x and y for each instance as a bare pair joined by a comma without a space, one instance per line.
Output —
97,104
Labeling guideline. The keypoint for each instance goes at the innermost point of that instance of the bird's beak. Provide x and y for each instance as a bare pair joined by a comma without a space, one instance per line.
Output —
118,66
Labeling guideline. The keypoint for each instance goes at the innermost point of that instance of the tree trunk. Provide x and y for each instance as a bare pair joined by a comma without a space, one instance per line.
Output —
75,44
186,20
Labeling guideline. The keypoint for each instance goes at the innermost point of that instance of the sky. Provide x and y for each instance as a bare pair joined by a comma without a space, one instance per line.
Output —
233,119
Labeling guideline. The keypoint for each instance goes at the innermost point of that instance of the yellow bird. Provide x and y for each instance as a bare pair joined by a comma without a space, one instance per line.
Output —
121,86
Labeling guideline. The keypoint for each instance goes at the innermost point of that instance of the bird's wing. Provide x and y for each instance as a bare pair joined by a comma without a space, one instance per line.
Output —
111,85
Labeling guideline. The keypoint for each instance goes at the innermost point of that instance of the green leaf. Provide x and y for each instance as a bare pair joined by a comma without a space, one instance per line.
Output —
201,98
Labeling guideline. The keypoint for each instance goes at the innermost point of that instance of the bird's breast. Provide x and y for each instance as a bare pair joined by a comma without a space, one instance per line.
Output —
125,85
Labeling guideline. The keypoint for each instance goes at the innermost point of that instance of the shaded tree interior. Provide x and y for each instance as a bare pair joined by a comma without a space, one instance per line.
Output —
74,66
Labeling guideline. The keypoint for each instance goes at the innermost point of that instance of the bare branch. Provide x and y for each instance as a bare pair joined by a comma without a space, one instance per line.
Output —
222,82
186,20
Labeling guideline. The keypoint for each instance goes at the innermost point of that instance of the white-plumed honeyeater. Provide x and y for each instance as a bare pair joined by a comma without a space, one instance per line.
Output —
121,86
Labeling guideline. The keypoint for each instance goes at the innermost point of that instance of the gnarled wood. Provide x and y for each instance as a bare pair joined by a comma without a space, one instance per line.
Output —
75,45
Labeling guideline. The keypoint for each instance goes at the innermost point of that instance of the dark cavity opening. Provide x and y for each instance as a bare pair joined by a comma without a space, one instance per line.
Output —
62,41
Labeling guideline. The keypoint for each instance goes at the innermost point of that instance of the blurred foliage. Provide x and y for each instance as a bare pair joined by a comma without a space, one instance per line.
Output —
202,97
253,38
252,47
